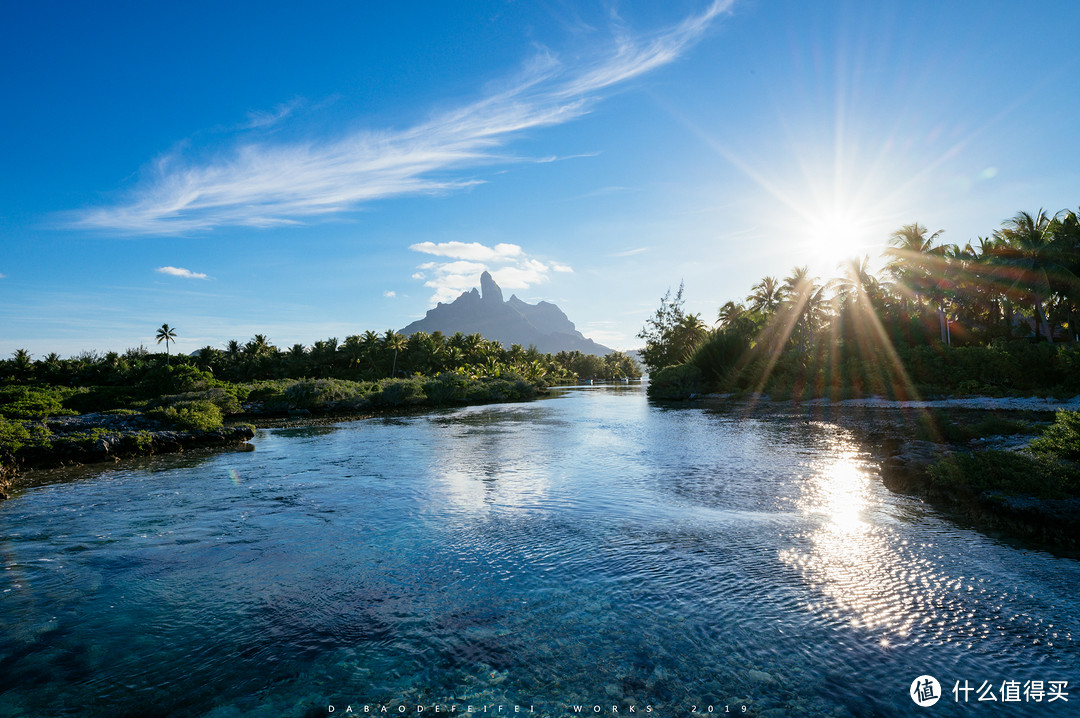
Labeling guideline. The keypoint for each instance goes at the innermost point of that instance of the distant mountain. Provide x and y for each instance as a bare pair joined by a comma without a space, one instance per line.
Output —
513,321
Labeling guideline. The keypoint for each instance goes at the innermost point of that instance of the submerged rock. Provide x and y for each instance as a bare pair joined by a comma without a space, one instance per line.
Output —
759,676
906,469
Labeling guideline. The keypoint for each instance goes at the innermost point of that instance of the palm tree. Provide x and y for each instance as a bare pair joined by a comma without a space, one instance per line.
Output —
259,345
1032,251
397,342
730,313
805,300
766,296
21,363
166,334
688,333
914,259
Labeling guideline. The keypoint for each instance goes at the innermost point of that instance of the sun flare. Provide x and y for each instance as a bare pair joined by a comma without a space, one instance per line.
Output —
837,236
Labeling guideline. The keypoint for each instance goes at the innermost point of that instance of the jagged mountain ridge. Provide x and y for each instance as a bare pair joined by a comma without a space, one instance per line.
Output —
513,321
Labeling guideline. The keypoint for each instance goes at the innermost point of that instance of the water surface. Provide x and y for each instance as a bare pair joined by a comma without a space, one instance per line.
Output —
588,549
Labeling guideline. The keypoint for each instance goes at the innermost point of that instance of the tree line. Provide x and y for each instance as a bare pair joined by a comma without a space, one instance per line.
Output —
368,356
907,328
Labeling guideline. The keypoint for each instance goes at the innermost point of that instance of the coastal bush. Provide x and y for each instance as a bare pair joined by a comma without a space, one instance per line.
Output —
447,388
1010,472
100,398
16,434
676,382
508,388
221,398
32,402
399,392
320,393
175,379
721,352
190,415
1062,438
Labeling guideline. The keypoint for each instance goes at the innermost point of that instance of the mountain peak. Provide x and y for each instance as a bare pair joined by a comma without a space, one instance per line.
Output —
542,325
491,291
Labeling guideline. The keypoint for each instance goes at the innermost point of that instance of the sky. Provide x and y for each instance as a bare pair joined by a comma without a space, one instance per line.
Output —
317,171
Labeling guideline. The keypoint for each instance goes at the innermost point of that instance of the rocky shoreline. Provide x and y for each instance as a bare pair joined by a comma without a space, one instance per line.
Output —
103,437
1053,522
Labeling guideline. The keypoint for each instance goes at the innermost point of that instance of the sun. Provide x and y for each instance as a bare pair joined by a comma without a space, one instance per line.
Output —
838,235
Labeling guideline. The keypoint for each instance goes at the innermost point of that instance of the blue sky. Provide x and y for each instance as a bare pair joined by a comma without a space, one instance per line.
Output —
234,168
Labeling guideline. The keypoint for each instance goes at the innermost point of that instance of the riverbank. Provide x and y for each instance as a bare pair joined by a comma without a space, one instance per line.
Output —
213,417
102,437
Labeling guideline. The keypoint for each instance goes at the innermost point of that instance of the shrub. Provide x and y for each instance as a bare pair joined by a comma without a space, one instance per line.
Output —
321,393
31,402
447,388
15,434
163,380
1007,471
676,382
218,396
99,398
190,415
1062,438
719,354
399,392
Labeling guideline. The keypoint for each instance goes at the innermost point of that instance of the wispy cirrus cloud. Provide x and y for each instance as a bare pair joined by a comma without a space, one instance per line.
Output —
263,184
464,262
262,119
180,272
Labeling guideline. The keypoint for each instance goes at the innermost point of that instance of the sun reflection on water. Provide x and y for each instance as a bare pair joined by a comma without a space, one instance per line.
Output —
848,560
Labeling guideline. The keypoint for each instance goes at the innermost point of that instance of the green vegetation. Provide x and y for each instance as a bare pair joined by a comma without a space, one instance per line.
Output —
1049,471
1062,438
998,316
670,335
190,415
1009,472
366,372
14,435
29,402
961,427
676,382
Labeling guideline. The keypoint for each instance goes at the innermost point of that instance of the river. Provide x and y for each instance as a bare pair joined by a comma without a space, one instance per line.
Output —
590,549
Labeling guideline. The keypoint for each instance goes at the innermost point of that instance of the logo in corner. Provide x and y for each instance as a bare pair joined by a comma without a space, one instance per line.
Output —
925,691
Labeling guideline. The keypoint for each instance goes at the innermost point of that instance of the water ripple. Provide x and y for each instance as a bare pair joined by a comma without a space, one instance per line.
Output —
588,549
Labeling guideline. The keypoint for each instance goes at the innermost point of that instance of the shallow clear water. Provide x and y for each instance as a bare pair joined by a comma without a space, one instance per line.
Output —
589,549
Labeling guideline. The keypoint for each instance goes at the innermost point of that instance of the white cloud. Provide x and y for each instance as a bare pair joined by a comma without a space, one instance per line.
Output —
263,185
3,276
510,267
180,272
469,250
389,293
